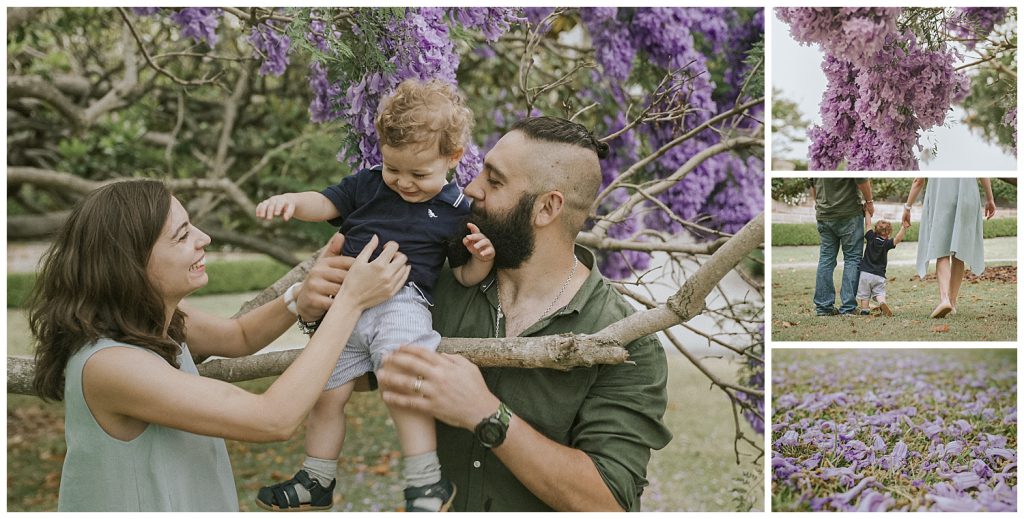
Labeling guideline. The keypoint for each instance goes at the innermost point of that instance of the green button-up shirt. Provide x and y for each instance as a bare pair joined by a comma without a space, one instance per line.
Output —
613,413
836,198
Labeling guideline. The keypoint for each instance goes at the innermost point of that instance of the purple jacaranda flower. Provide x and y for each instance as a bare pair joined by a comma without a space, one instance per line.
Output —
1000,453
789,439
981,469
965,480
813,461
954,448
854,450
899,455
815,402
932,429
845,475
1002,498
964,426
994,440
199,23
953,504
878,444
873,501
845,497
783,467
785,402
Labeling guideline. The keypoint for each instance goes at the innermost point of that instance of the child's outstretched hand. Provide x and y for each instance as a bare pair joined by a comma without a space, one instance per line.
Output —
905,224
277,205
478,244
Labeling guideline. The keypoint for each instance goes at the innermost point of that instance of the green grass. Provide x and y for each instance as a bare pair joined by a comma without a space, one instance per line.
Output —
906,253
987,311
226,277
695,472
791,234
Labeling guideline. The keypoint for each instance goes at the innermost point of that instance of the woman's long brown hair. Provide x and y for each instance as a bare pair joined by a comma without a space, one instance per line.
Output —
93,282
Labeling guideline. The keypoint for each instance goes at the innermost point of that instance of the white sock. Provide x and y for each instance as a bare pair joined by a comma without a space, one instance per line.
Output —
320,470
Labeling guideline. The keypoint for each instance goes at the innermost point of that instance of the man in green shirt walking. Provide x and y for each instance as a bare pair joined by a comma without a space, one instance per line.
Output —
840,216
536,439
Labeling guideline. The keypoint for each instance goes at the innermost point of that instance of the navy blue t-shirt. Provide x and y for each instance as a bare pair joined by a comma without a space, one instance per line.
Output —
875,256
424,231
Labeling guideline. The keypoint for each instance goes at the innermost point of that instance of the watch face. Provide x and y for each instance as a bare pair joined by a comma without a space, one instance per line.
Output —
490,433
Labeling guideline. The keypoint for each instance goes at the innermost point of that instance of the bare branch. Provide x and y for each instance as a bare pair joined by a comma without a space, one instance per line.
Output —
254,243
35,87
639,165
658,186
679,247
149,59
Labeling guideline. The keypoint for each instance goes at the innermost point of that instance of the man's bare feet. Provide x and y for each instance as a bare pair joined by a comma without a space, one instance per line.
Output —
942,310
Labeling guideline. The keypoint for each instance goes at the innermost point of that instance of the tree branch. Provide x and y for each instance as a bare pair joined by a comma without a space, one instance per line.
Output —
35,87
253,243
555,351
658,186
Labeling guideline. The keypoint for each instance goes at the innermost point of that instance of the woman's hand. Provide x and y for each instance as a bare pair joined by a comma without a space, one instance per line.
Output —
369,283
990,209
324,280
906,217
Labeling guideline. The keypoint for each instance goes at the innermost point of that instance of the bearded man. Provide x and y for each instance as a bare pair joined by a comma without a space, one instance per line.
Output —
515,439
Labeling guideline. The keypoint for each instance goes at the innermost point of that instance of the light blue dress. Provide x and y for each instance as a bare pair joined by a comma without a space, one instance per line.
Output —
951,224
161,470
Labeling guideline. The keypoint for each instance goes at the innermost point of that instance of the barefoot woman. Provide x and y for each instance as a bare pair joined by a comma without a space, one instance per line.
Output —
951,232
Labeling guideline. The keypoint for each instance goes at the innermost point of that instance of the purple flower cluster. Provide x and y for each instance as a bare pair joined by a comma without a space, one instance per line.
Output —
324,106
894,430
612,41
272,46
972,24
199,23
883,90
725,190
491,21
850,33
418,45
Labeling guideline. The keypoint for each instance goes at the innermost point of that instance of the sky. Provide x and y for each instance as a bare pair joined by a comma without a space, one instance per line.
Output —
796,72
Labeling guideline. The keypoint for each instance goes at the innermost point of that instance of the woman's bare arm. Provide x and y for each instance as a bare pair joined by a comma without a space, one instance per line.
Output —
126,386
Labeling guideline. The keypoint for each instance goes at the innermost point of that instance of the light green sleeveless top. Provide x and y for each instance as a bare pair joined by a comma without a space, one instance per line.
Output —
162,469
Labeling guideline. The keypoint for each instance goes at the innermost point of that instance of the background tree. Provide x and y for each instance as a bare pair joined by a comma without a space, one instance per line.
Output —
237,104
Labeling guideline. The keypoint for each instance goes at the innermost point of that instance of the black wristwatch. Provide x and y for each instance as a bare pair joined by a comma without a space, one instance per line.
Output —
490,432
308,327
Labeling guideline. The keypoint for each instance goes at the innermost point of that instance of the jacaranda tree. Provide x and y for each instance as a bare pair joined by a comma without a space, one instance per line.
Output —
893,73
238,104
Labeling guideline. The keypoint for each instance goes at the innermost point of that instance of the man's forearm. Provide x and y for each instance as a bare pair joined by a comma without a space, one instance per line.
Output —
564,478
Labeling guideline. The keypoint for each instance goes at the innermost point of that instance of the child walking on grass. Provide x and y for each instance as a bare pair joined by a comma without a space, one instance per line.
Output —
423,129
877,245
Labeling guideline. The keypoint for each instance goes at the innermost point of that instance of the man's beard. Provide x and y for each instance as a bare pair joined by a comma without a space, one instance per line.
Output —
511,233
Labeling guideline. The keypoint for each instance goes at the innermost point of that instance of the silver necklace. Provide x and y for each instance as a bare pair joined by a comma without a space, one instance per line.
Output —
501,315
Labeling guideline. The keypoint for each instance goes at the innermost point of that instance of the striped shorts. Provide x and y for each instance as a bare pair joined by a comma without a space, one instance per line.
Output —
403,319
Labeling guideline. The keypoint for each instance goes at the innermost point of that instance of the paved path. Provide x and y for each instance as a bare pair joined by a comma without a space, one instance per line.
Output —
782,213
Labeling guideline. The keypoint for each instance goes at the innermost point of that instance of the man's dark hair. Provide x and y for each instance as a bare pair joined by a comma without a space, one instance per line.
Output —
556,129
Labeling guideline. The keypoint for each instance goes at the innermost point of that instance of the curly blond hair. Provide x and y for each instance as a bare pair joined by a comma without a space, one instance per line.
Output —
883,227
422,112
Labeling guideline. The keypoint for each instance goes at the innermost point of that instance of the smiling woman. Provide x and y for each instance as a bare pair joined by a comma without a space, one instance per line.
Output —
115,343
